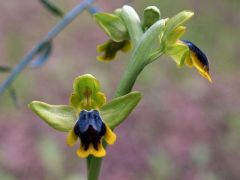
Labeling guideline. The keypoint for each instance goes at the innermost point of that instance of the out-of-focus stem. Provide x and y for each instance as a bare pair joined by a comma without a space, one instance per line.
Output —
70,16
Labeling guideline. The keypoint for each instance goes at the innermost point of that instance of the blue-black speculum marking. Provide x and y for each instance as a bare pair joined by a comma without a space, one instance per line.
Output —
90,128
199,54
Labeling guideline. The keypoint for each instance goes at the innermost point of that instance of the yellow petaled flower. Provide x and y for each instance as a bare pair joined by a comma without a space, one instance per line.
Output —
110,49
88,117
89,127
197,59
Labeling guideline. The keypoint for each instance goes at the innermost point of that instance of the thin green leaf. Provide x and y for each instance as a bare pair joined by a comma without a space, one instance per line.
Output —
117,110
13,95
43,53
52,8
59,117
4,69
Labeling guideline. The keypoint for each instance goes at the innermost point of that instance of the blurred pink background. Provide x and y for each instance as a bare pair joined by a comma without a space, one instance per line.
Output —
184,128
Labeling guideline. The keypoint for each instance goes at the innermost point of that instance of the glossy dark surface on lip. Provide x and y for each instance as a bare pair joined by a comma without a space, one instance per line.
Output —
199,54
90,128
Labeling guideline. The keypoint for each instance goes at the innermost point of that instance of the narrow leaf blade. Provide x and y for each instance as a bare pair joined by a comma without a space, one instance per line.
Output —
13,95
44,53
52,8
4,69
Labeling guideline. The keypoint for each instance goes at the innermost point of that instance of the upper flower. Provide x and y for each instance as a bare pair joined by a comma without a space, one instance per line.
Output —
110,49
124,27
183,51
198,59
88,118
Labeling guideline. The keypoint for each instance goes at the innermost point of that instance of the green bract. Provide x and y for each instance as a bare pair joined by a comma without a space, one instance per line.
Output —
151,15
132,22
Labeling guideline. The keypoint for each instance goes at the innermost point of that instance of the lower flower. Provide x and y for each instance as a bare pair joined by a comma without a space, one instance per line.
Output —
91,130
82,120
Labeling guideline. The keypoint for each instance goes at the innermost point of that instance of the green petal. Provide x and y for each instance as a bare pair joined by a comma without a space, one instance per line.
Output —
86,93
179,52
113,26
175,22
59,117
87,80
74,101
175,35
117,110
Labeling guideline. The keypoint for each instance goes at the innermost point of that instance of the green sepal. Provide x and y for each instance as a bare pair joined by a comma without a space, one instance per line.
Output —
151,15
63,118
175,35
117,110
112,25
87,80
59,117
175,22
86,93
179,52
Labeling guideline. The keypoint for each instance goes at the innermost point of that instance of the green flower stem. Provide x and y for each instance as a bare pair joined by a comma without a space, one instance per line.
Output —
138,61
94,169
88,162
94,166
140,58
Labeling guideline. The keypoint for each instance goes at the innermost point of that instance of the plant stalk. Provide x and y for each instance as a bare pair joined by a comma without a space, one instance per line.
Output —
139,59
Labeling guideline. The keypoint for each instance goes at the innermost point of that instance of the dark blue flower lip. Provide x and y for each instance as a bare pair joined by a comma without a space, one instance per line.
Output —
90,128
199,54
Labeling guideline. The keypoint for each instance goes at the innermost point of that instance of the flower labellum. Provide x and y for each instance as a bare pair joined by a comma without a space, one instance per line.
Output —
90,129
198,59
